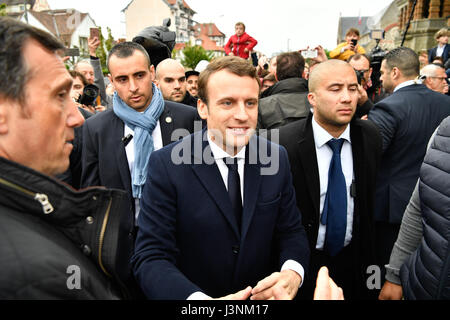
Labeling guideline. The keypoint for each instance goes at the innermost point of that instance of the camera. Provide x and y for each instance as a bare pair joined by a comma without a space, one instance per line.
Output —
308,54
354,42
359,75
90,93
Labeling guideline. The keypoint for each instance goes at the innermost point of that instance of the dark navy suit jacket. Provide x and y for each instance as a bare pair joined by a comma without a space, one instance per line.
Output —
188,238
406,120
104,160
445,54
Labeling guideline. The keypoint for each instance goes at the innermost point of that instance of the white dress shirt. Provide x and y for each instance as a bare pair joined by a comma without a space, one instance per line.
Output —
324,155
440,50
405,84
129,150
219,154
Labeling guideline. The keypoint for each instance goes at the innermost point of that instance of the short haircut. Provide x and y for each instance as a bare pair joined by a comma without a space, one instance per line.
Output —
323,69
405,59
239,24
441,33
235,65
127,49
82,61
290,65
352,31
13,68
359,56
75,74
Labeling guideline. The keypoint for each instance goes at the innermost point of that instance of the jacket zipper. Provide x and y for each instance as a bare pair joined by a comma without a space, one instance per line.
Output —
102,238
40,197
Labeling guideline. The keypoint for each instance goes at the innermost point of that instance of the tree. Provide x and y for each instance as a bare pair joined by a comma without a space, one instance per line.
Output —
3,9
194,54
104,44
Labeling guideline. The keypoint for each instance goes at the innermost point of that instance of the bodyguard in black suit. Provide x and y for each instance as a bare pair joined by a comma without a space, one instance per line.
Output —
406,120
334,95
105,160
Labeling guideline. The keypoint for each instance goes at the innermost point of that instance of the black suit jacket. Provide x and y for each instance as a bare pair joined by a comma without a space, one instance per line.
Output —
104,160
298,139
188,237
432,53
406,120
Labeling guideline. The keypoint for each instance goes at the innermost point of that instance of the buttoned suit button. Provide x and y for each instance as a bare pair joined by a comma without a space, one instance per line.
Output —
235,249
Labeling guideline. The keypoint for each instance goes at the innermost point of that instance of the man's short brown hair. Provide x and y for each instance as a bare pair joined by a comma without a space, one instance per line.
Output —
235,65
352,31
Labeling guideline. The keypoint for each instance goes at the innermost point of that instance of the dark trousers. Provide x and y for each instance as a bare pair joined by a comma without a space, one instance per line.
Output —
342,268
385,237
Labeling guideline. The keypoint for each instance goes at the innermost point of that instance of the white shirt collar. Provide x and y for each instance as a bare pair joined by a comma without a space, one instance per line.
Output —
405,84
219,153
321,136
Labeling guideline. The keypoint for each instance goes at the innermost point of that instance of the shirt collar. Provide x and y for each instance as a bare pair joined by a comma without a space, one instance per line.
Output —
405,84
321,136
219,153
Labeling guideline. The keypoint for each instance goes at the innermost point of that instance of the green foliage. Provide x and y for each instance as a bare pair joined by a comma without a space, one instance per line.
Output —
3,9
107,44
194,54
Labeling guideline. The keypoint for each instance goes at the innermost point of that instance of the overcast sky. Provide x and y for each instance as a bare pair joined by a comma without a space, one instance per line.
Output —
278,25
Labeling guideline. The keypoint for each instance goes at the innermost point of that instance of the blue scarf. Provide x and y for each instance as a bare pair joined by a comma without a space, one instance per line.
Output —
143,125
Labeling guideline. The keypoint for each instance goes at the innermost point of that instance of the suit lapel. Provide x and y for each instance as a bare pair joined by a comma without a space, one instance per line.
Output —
252,180
210,177
166,124
117,131
308,158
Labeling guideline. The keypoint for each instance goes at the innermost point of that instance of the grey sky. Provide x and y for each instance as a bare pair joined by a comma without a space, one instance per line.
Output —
278,25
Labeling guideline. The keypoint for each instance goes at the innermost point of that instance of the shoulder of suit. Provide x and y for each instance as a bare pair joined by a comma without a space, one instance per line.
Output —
104,116
179,108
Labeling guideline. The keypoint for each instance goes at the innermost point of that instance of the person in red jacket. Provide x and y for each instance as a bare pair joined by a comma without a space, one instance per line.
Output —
240,44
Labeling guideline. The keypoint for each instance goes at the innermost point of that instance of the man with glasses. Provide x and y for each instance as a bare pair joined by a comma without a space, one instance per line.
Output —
368,95
435,78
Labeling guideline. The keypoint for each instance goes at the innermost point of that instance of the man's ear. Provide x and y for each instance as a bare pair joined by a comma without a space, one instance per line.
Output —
396,73
4,107
312,99
202,109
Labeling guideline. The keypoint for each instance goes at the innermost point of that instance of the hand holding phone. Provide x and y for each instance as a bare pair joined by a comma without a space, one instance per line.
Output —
94,33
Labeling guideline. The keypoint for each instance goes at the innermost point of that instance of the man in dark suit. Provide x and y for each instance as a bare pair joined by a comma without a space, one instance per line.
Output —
406,120
442,49
201,234
118,142
333,88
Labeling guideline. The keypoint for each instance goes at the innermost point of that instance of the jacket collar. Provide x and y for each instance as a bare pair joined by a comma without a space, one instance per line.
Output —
291,85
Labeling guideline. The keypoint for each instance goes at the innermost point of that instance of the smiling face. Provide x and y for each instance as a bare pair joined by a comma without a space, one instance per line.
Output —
232,109
37,134
334,97
132,79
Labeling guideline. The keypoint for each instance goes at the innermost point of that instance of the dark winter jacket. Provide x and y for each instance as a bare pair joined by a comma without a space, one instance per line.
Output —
58,243
426,273
284,102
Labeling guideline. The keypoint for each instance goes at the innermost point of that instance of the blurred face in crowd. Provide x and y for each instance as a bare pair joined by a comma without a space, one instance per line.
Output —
87,71
38,132
443,40
232,109
362,65
77,88
437,82
192,85
350,37
239,29
266,84
386,78
334,95
132,78
423,59
273,65
171,79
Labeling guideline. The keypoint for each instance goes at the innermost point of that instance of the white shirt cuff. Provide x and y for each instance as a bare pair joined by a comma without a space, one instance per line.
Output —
198,296
294,266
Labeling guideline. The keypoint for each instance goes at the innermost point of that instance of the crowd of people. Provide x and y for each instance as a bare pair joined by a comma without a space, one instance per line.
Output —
243,179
